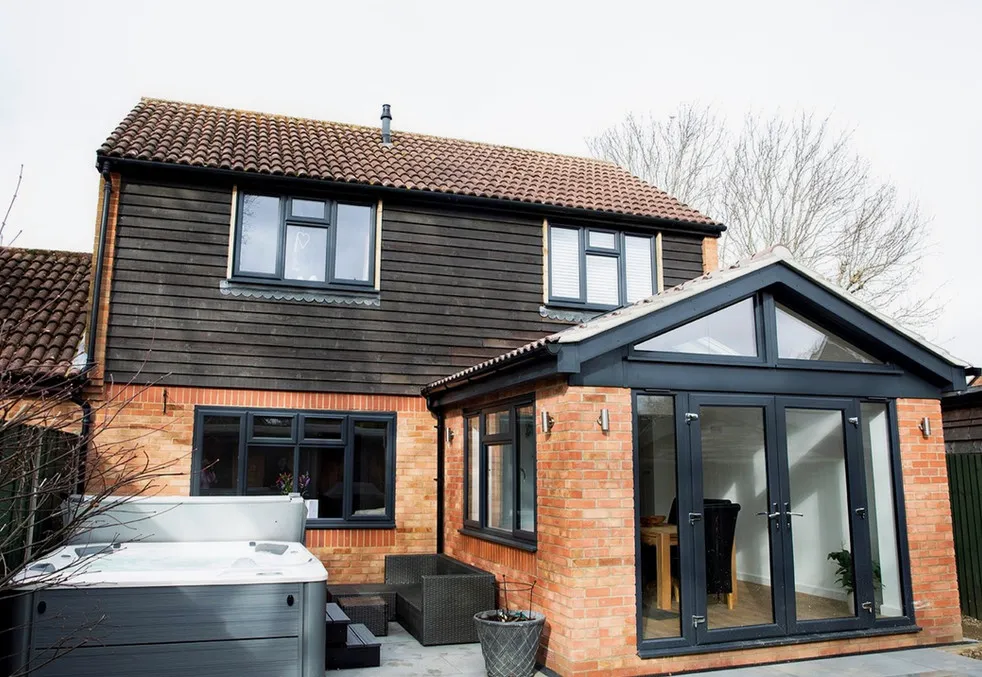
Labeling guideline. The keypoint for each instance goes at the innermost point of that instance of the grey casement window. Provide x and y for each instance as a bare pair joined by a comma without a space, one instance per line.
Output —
600,268
499,470
342,463
304,242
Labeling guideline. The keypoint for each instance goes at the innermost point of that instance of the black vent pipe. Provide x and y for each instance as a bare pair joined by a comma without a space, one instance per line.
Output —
386,124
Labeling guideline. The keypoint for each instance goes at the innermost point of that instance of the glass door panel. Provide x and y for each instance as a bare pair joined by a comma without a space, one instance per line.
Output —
824,504
661,581
737,538
821,533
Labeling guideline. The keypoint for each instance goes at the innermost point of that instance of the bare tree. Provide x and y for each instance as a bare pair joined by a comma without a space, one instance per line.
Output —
10,206
786,180
58,437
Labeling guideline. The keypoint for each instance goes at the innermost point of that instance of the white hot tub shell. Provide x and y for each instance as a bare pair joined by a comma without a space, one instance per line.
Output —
176,608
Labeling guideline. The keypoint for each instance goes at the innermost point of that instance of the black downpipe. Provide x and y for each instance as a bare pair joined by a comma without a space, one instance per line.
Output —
84,435
440,453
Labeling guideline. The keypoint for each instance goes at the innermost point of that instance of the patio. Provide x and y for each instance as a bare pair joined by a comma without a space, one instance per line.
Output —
404,656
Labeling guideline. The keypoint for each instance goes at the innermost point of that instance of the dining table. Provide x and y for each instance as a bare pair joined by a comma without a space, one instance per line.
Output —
663,537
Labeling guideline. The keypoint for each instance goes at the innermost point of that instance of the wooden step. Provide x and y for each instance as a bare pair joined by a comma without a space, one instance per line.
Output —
336,633
361,650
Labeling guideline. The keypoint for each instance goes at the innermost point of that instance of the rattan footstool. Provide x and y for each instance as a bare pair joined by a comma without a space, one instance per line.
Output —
370,610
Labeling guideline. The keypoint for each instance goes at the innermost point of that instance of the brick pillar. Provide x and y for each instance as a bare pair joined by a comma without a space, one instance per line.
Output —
710,254
932,545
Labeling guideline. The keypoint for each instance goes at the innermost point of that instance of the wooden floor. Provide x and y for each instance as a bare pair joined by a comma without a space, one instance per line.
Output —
754,607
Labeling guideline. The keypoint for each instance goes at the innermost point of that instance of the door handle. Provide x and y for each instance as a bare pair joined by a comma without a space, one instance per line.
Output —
768,515
797,514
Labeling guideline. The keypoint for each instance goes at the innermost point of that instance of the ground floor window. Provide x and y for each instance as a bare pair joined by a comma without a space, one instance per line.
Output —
342,463
767,517
499,470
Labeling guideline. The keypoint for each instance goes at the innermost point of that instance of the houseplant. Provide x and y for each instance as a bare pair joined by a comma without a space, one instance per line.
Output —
510,637
845,576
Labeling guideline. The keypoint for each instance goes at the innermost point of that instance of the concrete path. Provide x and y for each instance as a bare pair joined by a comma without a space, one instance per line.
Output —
403,656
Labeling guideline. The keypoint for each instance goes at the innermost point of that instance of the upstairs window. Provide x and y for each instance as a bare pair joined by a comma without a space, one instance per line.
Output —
600,268
304,242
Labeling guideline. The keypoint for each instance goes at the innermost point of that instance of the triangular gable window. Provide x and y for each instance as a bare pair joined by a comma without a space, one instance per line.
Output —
728,332
801,339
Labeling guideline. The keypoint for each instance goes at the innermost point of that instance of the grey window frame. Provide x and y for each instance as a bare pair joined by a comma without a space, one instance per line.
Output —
519,538
617,252
329,223
297,440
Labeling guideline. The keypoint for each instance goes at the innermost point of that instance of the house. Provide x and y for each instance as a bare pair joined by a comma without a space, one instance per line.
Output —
43,414
527,361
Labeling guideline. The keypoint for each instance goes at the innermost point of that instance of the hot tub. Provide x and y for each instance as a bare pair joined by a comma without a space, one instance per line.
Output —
177,608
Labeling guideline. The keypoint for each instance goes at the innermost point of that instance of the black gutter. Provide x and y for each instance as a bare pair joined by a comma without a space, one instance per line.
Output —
440,479
107,189
474,200
487,370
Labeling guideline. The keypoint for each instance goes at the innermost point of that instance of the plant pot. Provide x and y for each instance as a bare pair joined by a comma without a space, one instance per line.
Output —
509,648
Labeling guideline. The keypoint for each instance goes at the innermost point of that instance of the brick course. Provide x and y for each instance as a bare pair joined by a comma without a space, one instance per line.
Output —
584,566
134,416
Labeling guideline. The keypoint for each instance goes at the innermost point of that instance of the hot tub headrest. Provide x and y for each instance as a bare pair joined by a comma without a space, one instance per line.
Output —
192,518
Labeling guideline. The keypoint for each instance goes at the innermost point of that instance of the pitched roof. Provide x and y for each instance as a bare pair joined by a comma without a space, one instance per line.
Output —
615,318
260,143
43,304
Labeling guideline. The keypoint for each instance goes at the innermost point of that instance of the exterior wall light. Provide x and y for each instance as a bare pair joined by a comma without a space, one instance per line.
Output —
547,422
925,427
449,435
604,420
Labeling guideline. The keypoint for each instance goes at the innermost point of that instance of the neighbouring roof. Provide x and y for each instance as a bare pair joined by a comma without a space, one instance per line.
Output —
607,321
44,299
195,135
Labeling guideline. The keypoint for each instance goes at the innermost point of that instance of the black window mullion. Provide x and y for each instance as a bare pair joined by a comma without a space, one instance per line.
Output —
281,254
243,454
582,253
347,493
482,479
296,468
516,471
332,238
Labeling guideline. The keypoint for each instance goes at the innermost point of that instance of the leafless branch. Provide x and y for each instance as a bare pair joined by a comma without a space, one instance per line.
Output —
13,199
791,180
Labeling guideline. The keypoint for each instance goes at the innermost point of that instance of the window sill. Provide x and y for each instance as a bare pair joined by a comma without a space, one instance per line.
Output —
527,546
279,292
649,648
577,314
322,524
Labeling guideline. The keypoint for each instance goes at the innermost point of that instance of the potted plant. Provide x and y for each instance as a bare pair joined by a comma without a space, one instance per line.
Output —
510,637
845,576
284,484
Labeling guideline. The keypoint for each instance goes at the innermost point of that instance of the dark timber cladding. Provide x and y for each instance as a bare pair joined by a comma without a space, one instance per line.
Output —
459,286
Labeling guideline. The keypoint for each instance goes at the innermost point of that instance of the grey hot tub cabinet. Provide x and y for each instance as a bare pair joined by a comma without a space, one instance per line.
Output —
266,630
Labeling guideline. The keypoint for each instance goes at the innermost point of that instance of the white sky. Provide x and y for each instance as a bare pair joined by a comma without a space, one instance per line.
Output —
905,75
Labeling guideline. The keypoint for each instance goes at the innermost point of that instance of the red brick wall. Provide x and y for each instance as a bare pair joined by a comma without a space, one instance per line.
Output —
134,416
584,566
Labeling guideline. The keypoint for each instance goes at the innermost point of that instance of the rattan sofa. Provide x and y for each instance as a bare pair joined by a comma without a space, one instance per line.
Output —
437,597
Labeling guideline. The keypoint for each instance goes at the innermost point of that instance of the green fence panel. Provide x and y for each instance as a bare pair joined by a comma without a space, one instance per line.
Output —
965,488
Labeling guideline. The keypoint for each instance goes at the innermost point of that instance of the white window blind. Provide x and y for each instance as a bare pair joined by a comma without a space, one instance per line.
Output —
564,272
601,280
637,263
